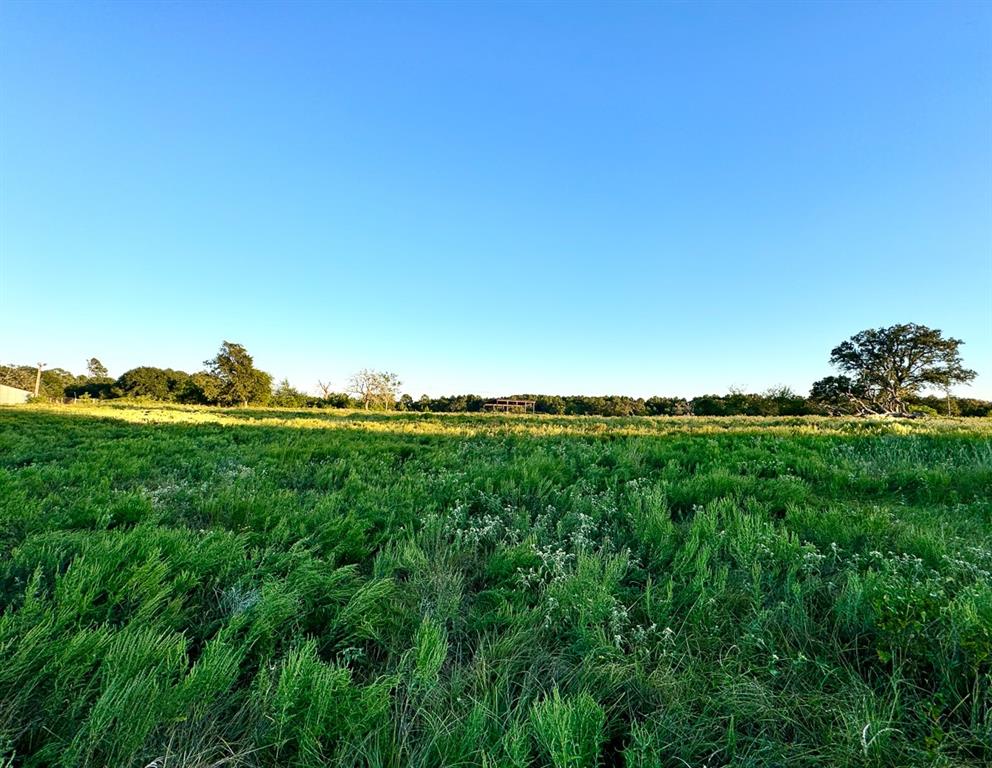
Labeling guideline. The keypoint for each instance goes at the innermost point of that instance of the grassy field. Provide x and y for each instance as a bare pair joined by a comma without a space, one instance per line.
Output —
192,587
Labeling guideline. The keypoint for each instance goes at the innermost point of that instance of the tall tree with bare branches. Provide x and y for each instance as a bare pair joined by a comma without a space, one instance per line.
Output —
375,389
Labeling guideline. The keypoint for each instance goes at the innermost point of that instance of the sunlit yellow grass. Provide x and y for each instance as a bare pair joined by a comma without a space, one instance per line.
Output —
467,425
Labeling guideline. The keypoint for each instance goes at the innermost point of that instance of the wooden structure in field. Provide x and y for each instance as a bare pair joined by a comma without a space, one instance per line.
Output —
505,405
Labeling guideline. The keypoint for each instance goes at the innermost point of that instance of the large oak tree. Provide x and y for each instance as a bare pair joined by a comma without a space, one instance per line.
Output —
885,367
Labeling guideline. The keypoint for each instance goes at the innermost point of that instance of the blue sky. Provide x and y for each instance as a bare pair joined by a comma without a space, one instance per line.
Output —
574,198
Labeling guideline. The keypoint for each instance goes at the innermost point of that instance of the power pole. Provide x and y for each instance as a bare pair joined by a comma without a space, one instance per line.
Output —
37,380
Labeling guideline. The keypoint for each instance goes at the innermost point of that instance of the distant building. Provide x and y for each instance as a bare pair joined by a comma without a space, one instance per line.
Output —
13,395
507,405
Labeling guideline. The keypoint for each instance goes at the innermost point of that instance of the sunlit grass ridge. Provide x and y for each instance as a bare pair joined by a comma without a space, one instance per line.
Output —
194,587
483,423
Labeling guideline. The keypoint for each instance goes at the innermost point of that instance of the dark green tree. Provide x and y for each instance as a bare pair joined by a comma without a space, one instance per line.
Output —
201,388
889,366
666,406
96,384
553,404
57,383
835,395
782,401
154,383
240,381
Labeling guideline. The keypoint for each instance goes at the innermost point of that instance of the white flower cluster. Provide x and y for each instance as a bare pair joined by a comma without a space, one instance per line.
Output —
979,567
493,526
230,470
552,568
581,536
169,492
619,622
812,559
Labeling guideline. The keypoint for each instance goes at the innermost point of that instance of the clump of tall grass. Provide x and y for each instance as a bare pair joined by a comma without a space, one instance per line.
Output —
568,730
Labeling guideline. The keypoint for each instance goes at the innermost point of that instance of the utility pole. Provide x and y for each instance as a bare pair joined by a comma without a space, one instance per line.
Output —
37,380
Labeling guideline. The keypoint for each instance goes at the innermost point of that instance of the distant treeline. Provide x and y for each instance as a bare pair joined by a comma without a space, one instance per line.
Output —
204,388
779,402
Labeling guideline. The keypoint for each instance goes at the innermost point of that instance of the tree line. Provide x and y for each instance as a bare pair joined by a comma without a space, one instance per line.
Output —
882,371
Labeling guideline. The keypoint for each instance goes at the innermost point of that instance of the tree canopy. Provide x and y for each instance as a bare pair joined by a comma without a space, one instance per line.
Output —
96,369
885,370
375,389
154,383
886,367
240,382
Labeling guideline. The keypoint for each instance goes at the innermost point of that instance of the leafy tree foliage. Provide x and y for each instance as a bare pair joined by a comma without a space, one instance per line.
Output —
334,400
240,381
881,368
96,369
782,401
287,396
835,395
451,404
19,376
553,404
956,406
97,384
154,383
667,406
375,389
889,366
56,383
95,389
202,388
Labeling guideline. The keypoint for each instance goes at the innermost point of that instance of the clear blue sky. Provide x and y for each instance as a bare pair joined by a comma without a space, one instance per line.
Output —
573,198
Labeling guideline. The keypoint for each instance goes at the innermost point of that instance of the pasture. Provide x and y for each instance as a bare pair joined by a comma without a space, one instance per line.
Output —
198,587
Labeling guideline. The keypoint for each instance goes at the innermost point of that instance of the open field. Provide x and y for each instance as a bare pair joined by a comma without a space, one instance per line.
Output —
194,587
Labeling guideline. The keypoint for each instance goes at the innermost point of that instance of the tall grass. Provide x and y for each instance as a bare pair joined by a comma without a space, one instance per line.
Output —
187,587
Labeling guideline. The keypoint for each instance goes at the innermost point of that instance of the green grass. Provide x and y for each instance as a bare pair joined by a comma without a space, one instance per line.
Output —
192,587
